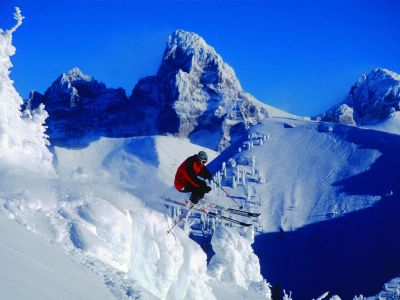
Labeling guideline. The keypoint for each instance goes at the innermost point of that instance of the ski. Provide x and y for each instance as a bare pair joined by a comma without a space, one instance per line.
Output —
213,214
210,213
239,212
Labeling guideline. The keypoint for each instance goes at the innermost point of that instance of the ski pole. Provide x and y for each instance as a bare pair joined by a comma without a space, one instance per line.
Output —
240,206
181,218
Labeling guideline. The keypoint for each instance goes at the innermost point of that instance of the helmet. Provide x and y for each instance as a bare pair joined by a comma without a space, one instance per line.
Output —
202,155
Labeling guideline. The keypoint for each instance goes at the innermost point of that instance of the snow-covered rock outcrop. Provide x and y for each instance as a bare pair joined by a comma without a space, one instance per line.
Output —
23,142
82,109
195,91
236,266
374,99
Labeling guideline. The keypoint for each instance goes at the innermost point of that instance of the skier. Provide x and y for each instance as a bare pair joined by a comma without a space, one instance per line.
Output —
186,180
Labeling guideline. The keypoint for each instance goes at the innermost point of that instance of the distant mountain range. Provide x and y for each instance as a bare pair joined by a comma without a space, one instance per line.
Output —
194,94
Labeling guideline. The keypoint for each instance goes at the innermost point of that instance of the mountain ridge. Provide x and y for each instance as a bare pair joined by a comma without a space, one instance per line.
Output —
193,90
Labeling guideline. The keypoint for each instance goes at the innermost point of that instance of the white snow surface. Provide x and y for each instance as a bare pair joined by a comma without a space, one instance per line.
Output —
31,268
299,179
105,203
391,124
229,246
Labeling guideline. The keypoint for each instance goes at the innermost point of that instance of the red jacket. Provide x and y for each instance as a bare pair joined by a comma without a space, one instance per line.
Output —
188,171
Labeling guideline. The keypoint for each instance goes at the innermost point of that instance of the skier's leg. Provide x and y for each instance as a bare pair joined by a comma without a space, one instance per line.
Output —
197,195
194,197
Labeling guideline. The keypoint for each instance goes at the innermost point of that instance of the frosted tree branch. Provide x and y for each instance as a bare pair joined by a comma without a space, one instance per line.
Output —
18,17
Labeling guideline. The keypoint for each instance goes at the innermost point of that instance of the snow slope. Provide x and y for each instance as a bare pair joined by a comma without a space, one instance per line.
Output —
305,167
329,201
31,268
106,204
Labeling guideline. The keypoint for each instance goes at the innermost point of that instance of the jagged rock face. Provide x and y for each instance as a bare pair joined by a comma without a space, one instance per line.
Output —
375,97
82,109
194,90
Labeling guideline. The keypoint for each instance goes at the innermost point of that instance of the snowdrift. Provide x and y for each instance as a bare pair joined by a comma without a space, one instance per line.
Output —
31,268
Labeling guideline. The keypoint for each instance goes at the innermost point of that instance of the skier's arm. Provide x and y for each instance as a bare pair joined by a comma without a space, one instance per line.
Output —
191,174
205,173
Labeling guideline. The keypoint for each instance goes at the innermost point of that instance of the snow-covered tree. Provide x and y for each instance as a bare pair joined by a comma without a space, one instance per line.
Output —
23,143
232,162
260,178
234,183
244,178
224,169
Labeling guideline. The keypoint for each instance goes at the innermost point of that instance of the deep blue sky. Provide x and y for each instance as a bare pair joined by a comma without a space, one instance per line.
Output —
300,56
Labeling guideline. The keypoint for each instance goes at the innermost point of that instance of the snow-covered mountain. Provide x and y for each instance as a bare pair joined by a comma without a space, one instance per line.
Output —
193,94
373,102
81,109
196,93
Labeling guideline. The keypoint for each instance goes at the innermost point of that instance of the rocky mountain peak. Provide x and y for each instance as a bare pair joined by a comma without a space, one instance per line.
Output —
74,75
187,41
75,84
375,97
195,91
81,109
188,52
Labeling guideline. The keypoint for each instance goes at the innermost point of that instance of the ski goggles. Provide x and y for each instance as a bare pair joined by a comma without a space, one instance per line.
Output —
203,161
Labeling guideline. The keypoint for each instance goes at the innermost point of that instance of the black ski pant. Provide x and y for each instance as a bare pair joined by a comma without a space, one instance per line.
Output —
197,192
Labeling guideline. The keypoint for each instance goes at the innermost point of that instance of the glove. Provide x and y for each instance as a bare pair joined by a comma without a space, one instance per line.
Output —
207,189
